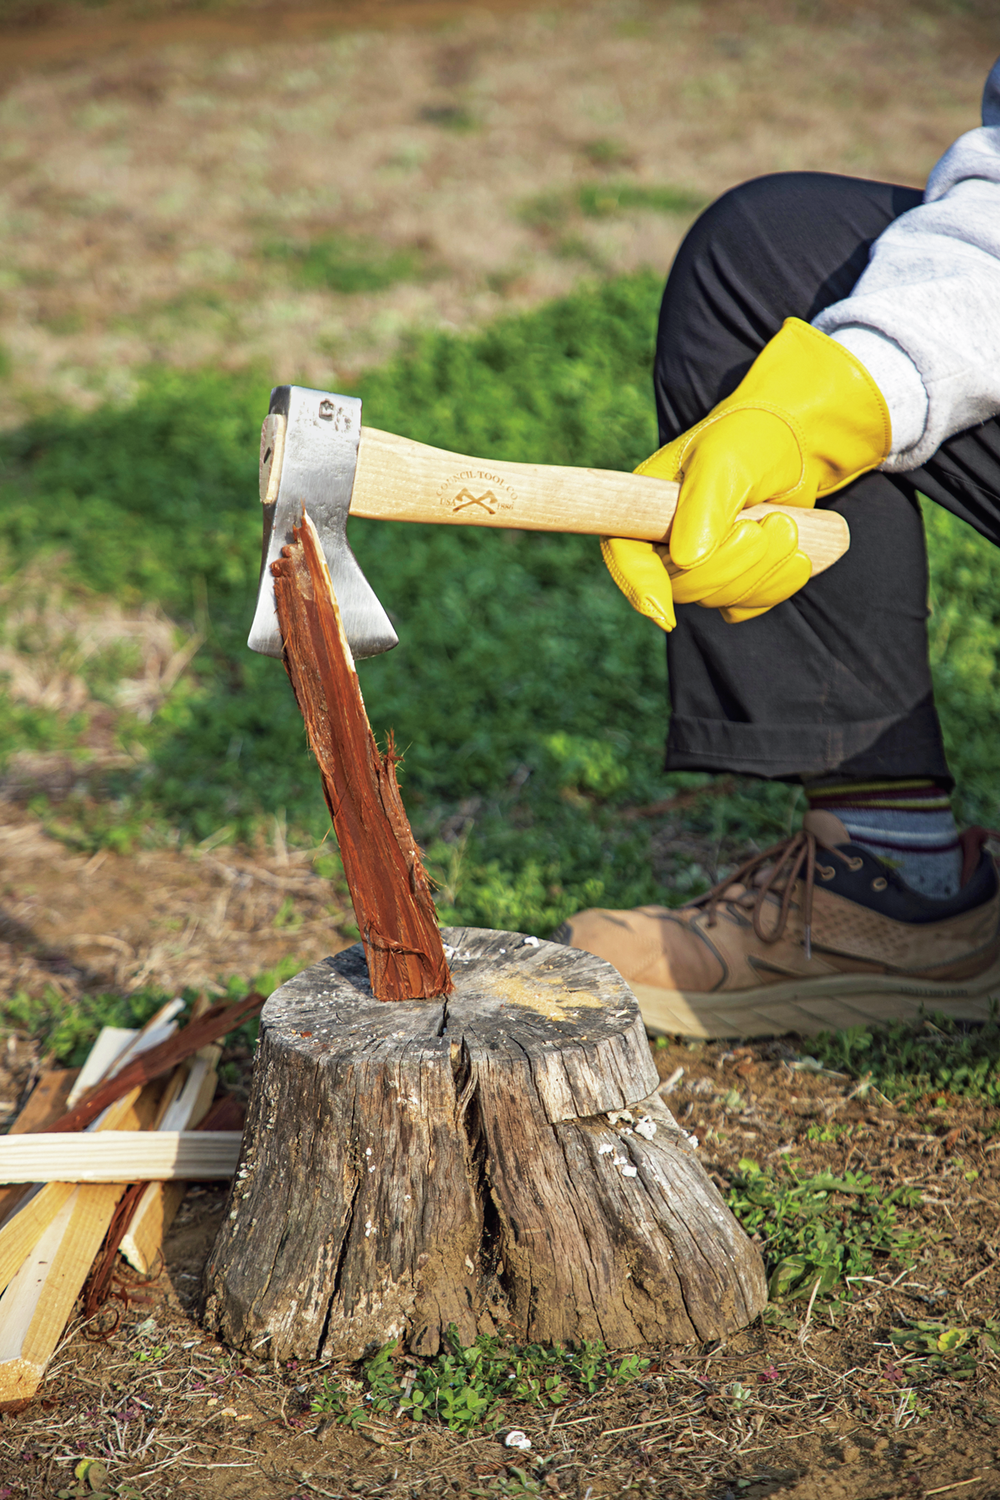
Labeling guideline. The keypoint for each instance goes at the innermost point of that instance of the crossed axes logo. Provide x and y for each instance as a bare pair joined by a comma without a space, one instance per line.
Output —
465,498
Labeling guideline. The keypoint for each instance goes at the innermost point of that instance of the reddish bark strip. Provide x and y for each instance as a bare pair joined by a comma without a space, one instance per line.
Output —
208,1027
385,874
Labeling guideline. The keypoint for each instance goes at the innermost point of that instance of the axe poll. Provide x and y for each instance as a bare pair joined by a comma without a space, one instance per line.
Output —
315,454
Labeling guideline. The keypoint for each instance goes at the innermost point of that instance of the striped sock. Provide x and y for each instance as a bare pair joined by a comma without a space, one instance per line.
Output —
907,824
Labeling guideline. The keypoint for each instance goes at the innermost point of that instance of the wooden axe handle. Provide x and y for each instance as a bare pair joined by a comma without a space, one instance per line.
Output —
399,480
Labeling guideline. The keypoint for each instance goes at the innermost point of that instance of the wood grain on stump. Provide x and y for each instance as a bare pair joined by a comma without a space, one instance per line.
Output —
411,1166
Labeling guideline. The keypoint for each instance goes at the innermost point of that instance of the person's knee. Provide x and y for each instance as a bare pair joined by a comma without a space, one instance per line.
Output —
779,246
748,205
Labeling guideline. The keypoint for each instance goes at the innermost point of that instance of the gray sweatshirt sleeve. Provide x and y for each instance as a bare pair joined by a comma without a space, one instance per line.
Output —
924,317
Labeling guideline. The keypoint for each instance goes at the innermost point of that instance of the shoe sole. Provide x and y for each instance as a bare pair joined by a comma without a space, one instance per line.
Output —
807,1006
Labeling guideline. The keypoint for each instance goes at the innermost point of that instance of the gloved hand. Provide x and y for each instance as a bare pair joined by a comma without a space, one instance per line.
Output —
805,420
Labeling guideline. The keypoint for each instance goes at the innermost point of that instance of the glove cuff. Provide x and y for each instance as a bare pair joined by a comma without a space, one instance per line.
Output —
835,412
829,400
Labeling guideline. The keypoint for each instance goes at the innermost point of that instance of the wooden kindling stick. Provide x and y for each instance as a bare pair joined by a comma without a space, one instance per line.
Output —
120,1156
385,874
149,1065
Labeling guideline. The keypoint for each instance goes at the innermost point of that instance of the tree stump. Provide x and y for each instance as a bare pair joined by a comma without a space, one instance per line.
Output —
498,1159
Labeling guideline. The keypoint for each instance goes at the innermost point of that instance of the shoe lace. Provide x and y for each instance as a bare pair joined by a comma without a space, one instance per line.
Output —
774,870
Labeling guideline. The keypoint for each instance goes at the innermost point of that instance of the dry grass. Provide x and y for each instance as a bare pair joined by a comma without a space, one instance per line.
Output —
59,647
171,919
140,182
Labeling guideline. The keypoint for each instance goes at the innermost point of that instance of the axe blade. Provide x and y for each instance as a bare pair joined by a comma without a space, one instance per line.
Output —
308,456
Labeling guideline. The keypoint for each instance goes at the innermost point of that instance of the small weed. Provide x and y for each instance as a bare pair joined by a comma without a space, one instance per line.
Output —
329,1401
516,1484
820,1231
454,117
94,1484
160,1351
929,1349
825,1134
466,1387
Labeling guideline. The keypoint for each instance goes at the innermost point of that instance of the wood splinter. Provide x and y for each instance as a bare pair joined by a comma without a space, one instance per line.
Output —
382,863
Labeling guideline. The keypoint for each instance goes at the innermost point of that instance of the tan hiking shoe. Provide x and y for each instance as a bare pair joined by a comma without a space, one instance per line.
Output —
811,935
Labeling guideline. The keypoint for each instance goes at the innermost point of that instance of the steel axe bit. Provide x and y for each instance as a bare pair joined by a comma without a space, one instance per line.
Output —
314,454
308,457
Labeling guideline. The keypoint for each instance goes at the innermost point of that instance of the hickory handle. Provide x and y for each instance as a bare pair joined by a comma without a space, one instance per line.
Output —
399,480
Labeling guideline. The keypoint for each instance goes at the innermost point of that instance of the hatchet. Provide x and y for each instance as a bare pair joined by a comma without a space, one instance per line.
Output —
315,454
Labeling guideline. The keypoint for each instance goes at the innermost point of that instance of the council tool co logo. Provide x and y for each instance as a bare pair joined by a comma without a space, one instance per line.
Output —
476,492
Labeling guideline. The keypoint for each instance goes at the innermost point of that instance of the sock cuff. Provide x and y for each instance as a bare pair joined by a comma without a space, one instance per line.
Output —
917,794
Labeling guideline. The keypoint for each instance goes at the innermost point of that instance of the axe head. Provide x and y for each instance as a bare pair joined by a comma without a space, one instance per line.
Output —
308,455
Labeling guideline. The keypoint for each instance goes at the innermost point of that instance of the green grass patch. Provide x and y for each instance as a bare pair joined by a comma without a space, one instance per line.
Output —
938,1056
601,200
820,1231
527,698
605,151
464,1388
344,263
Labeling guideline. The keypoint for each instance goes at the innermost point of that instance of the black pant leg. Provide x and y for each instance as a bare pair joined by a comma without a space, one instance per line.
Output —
836,678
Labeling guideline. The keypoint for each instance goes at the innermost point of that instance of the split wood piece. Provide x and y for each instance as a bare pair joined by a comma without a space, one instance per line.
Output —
409,1167
385,874
120,1156
142,1239
46,1103
185,1043
118,1045
36,1305
142,1242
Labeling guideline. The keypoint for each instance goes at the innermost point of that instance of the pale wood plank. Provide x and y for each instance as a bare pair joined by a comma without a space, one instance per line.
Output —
46,1102
35,1306
21,1235
142,1246
120,1156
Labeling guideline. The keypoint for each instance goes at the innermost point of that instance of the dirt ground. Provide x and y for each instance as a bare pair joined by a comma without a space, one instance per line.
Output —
146,164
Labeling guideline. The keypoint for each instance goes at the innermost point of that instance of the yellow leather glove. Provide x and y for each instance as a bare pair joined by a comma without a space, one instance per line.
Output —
805,420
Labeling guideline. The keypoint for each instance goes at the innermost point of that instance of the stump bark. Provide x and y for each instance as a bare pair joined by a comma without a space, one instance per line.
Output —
497,1159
